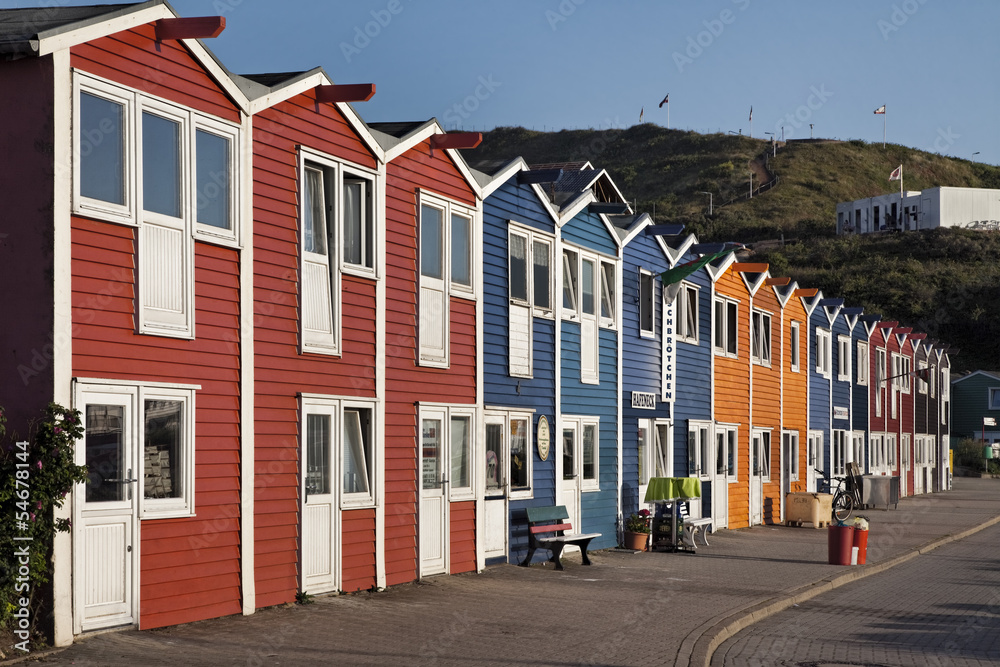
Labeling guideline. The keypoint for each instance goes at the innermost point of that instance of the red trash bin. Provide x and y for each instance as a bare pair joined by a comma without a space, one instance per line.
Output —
861,542
839,545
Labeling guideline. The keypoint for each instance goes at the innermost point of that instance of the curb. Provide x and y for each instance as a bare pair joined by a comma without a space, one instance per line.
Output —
700,650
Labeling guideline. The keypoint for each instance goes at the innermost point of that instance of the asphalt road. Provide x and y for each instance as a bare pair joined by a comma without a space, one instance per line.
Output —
940,608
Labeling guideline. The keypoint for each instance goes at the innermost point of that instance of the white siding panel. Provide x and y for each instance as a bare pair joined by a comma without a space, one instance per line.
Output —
520,340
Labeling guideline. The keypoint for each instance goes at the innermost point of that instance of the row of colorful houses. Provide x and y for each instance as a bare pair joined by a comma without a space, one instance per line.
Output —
315,354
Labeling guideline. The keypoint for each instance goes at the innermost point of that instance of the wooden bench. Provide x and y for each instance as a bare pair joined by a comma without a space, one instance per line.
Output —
547,529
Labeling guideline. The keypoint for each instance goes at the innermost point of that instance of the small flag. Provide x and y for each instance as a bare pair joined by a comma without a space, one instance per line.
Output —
751,112
672,278
666,100
896,174
881,109
641,112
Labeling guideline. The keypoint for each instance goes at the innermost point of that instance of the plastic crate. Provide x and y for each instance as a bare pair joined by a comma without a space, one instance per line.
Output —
811,508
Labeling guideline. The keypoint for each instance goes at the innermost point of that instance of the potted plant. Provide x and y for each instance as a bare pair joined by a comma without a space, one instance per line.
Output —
637,530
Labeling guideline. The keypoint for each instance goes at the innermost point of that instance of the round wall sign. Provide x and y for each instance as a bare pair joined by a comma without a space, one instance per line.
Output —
542,438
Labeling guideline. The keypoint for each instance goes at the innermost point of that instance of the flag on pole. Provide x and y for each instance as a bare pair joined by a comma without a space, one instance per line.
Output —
897,173
666,100
881,109
641,112
751,112
672,278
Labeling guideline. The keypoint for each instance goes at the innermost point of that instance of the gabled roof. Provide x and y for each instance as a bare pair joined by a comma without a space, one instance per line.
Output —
22,30
987,374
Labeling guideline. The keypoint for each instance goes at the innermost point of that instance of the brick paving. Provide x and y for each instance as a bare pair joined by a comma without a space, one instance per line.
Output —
626,609
942,608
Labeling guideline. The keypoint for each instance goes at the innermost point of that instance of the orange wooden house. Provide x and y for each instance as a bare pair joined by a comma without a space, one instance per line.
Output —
795,474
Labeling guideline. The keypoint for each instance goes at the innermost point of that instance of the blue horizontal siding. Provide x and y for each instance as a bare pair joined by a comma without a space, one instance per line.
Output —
588,231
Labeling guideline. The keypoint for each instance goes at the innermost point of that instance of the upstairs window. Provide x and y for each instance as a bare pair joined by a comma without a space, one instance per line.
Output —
823,352
794,343
166,169
994,398
863,363
880,376
760,338
844,358
687,314
530,292
647,304
725,335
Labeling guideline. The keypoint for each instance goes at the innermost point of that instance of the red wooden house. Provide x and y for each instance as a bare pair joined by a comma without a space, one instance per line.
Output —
124,166
883,425
319,296
433,369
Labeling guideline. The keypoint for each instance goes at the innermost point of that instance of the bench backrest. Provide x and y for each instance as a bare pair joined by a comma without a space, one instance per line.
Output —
539,514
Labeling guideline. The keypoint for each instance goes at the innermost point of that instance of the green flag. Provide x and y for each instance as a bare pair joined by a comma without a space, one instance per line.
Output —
672,278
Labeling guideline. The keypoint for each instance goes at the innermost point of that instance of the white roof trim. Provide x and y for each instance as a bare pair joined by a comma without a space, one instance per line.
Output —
86,33
810,306
974,373
638,225
501,177
583,201
675,255
544,198
783,299
716,272
418,136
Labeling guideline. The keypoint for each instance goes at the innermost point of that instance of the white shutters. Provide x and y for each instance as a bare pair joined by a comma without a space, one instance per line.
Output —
319,333
519,335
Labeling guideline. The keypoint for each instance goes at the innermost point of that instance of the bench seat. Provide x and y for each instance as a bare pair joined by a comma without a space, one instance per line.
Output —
548,529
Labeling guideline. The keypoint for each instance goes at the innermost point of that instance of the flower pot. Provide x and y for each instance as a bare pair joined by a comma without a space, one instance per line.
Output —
636,541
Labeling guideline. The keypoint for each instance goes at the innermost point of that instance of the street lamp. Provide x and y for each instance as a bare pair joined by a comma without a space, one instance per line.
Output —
975,154
701,192
774,144
810,130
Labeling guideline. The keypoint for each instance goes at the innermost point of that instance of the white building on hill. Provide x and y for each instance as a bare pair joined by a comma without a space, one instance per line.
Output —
969,208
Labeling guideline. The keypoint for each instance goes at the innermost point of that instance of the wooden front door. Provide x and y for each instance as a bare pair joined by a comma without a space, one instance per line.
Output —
433,494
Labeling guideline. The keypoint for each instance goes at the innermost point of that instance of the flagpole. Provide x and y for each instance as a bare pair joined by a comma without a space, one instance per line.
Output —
668,112
883,132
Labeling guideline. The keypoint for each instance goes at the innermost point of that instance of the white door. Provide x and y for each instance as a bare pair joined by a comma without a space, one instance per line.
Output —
106,533
906,463
759,461
495,508
789,465
814,446
716,464
433,494
319,510
569,486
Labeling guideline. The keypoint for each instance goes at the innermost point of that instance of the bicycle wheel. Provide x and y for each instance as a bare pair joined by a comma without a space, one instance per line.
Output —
843,506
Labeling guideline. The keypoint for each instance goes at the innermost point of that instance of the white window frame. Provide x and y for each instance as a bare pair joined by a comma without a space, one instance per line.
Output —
765,449
863,363
722,306
921,383
569,281
652,447
793,451
795,342
580,424
858,450
457,493
647,305
843,358
139,393
700,441
760,337
880,376
532,236
429,356
730,434
890,445
687,313
337,406
993,398
945,394
575,312
839,442
608,293
823,351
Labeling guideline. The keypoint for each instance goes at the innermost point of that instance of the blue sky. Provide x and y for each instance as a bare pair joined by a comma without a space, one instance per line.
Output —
552,64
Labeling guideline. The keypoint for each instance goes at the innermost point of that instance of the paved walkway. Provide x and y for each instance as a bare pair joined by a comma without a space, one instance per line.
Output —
627,609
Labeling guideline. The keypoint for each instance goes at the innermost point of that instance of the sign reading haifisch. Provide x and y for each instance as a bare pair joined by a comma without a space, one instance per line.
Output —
668,357
840,413
643,401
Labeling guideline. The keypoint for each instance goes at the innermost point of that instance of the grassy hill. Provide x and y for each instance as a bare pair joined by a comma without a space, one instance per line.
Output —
945,283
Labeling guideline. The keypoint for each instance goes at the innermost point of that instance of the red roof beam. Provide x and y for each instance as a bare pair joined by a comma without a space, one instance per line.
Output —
779,282
806,292
887,325
750,267
195,27
349,92
456,140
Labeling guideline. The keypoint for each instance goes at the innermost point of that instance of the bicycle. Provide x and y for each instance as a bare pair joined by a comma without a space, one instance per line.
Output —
845,498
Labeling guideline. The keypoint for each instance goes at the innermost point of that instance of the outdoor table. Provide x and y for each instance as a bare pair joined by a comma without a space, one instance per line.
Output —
672,490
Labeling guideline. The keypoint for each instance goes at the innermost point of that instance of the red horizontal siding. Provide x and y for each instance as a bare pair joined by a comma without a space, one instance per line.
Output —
165,69
200,553
358,550
463,537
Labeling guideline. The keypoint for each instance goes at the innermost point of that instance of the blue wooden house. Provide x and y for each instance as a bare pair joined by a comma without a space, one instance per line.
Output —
819,365
860,383
520,329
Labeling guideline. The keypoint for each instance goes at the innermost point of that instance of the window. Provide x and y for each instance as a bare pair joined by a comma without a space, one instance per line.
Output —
838,453
447,266
508,462
994,398
879,380
814,443
571,283
687,313
790,445
655,440
726,444
794,344
725,334
760,338
520,454
901,373
844,358
581,451
170,171
922,372
337,237
945,394
647,304
862,363
932,380
160,463
890,445
609,282
699,453
761,464
339,442
461,454
823,352
530,290
858,453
